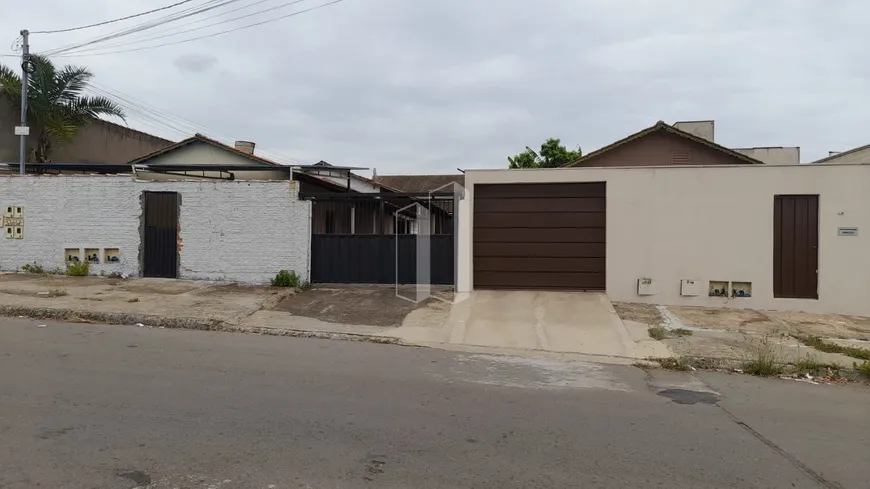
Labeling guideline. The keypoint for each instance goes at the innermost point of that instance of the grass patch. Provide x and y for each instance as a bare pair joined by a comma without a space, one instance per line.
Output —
828,347
657,333
863,369
763,359
808,364
661,333
673,363
54,293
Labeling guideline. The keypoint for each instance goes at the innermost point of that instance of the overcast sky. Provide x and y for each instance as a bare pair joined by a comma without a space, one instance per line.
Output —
426,86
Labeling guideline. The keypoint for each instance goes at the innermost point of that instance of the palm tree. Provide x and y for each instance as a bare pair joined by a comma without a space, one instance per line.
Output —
57,107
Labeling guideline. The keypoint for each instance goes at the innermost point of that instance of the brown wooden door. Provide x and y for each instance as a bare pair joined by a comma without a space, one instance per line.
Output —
796,246
540,236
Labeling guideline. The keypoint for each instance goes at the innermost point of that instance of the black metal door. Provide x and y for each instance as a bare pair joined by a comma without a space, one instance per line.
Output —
160,243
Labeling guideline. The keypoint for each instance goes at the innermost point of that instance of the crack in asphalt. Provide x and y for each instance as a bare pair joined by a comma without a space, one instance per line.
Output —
679,396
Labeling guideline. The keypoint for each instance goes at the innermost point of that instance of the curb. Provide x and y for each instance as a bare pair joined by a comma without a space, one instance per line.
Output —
126,319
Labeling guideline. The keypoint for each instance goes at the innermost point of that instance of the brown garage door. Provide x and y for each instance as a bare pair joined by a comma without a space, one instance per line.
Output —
540,236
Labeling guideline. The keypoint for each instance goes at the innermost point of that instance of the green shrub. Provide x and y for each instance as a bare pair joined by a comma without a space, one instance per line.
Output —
34,268
286,279
306,285
863,368
78,268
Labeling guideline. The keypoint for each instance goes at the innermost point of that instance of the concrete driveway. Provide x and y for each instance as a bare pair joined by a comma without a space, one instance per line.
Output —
566,322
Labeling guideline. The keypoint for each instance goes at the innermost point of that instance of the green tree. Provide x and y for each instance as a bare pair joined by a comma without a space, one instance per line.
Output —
552,155
57,107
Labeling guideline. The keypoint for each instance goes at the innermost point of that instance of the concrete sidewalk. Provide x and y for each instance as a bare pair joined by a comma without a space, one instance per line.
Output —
561,322
516,322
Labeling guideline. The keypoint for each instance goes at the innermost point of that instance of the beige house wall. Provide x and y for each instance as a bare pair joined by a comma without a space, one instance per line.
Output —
711,223
860,156
774,155
198,153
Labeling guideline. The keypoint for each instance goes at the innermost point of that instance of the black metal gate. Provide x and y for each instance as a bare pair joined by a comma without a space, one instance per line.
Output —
160,240
374,238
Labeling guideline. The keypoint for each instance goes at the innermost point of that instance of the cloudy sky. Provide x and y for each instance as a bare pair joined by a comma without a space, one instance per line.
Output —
426,86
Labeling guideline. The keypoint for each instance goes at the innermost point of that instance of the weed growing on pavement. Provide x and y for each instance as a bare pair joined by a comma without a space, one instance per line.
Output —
304,286
863,368
56,293
763,359
34,268
828,347
78,269
661,333
285,278
657,333
673,363
808,364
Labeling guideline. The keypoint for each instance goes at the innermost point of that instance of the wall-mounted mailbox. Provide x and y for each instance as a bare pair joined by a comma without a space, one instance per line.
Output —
112,255
9,210
10,232
72,255
847,231
92,255
17,211
718,288
690,287
18,232
646,286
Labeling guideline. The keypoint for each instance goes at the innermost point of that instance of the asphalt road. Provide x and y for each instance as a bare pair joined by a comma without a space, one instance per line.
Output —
95,406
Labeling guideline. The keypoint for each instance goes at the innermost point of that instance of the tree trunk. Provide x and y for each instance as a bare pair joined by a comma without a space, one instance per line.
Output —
42,150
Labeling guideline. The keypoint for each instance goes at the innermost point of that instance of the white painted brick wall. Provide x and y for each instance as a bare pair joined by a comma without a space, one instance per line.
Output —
241,231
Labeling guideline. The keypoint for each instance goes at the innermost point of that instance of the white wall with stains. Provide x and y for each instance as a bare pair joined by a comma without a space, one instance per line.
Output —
244,231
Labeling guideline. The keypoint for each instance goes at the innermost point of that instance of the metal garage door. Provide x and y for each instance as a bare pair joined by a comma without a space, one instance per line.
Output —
540,236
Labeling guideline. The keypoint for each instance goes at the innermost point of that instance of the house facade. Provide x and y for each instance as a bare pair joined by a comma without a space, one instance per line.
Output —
785,237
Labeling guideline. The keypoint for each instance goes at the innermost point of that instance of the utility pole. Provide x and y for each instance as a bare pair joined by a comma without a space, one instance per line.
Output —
23,130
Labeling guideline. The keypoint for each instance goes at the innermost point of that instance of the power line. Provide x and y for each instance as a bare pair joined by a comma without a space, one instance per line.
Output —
205,7
201,20
172,34
114,20
214,34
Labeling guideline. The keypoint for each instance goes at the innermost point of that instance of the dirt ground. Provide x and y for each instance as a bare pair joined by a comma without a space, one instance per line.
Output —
370,305
775,322
752,321
640,313
732,336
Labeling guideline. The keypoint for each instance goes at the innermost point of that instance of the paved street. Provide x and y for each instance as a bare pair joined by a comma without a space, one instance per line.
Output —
95,406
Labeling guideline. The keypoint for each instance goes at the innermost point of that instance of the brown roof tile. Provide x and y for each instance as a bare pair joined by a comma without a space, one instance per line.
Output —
419,183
